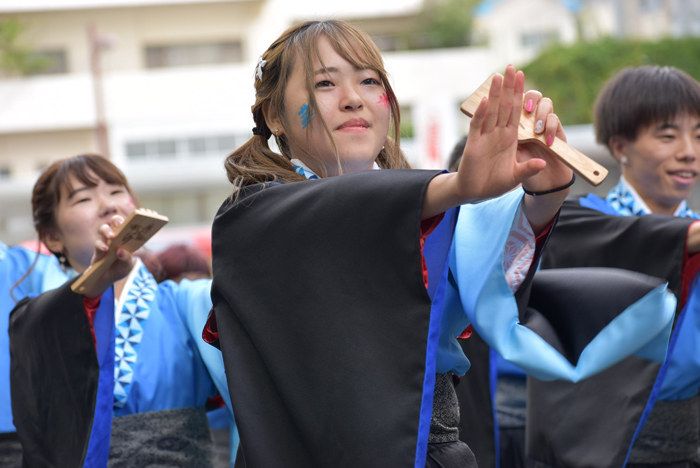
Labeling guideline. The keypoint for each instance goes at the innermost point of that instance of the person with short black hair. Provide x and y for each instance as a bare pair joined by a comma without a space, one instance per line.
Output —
649,118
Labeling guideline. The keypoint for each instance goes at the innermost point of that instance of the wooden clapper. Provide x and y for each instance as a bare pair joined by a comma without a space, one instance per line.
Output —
584,166
140,226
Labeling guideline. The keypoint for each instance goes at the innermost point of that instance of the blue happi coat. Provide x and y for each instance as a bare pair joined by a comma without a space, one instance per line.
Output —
46,275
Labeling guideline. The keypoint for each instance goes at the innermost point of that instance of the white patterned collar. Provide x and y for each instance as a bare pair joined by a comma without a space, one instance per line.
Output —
638,201
625,200
306,171
119,301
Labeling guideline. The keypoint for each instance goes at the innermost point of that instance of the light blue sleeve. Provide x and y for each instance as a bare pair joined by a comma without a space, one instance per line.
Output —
46,274
477,266
194,302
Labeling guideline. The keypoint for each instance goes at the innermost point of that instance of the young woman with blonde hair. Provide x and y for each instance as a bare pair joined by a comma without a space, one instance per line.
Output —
338,293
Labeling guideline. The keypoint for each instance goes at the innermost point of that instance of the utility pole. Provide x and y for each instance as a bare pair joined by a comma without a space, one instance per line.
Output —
95,48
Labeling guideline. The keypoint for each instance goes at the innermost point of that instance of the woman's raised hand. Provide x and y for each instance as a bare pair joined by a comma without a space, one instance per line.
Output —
547,123
119,269
490,164
494,162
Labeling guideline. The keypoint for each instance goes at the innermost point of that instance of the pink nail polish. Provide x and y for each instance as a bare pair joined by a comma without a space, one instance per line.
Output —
530,105
550,140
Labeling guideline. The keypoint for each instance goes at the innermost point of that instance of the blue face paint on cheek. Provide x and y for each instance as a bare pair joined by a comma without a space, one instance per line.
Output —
305,115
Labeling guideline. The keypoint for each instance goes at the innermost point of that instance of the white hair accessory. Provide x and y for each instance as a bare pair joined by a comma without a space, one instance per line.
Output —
259,68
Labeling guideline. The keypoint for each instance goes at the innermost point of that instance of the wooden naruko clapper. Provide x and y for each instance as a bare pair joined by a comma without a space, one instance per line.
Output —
584,166
140,226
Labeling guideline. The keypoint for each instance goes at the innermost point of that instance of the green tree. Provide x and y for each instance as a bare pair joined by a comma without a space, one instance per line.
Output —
449,23
574,75
16,58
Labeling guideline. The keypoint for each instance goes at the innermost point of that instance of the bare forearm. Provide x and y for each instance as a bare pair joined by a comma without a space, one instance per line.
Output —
493,162
542,209
444,193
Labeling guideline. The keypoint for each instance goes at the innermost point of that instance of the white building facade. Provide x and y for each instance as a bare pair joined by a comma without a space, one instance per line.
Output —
177,79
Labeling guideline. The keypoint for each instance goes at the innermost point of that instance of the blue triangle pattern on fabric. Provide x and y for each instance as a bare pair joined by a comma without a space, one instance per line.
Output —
123,331
136,310
129,350
625,203
130,306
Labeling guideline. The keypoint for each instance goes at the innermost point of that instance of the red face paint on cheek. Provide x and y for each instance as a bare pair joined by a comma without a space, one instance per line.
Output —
384,100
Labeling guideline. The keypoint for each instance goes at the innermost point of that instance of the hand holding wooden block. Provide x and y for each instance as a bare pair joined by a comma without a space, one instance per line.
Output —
140,226
590,170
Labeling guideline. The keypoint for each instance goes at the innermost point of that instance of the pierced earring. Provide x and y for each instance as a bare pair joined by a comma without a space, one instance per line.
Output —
624,160
276,130
62,259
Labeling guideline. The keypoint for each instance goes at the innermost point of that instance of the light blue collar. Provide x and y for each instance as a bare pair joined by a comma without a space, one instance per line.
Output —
303,169
306,171
625,200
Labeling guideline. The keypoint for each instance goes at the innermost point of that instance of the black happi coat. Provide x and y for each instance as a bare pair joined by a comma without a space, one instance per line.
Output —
568,308
319,300
593,423
326,326
54,382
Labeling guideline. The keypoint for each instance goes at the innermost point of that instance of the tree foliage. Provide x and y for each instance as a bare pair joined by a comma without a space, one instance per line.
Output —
449,23
574,75
15,57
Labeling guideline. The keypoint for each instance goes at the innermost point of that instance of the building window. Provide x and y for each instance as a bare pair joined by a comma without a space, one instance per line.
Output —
166,149
136,150
197,146
226,143
49,62
183,148
184,55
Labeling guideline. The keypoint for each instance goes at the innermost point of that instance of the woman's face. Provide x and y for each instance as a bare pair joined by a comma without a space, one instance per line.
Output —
663,163
354,105
79,215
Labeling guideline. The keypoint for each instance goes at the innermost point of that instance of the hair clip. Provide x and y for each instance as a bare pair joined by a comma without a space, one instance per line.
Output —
259,68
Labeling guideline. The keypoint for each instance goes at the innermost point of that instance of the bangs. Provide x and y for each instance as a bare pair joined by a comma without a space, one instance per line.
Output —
79,171
357,48
85,169
641,97
88,169
669,98
352,45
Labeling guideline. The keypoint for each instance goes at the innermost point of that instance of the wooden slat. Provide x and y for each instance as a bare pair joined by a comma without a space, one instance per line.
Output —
140,226
584,166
